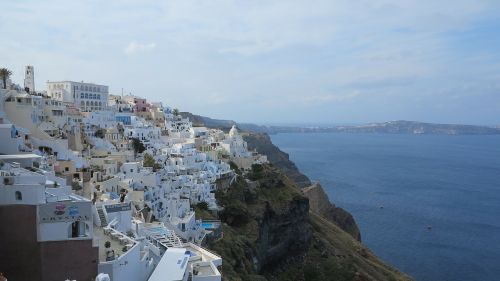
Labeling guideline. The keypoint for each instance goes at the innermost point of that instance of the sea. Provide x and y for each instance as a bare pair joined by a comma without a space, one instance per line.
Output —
428,205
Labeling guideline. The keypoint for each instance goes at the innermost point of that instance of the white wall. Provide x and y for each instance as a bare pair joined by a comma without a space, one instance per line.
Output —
9,145
127,267
31,195
124,219
58,231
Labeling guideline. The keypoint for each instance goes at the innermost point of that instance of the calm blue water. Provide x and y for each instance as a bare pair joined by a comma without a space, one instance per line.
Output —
449,182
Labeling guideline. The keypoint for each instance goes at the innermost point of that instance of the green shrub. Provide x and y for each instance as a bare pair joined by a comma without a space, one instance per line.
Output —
202,206
148,161
256,173
235,214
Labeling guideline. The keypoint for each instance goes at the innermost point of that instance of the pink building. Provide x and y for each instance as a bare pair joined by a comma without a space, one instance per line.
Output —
141,105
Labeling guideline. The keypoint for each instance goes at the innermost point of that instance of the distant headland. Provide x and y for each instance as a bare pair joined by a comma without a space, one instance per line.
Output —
389,127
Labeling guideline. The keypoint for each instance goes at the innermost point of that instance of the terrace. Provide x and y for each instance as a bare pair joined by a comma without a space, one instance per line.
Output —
161,237
118,242
203,263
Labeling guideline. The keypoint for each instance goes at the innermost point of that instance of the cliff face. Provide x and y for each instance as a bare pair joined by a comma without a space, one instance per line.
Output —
320,204
271,234
263,144
278,227
282,235
318,199
266,225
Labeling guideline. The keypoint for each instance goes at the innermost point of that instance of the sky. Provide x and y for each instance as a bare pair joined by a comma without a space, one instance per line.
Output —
324,61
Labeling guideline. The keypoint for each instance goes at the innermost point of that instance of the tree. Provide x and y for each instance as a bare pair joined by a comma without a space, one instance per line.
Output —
4,75
100,133
120,128
202,206
175,111
138,146
148,161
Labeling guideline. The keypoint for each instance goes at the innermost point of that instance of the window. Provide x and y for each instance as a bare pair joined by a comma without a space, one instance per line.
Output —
19,196
86,95
81,96
78,229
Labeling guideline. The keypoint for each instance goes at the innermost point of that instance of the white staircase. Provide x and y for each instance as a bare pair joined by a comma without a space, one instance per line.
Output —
102,216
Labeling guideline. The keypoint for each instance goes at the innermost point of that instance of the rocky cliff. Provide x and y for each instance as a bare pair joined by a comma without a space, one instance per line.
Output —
270,233
321,205
277,226
261,142
319,201
266,224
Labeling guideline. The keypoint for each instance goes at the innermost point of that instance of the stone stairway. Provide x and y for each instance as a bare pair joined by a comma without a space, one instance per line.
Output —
102,217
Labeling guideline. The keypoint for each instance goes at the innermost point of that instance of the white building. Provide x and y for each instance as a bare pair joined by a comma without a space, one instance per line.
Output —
29,78
43,220
235,145
12,141
85,96
173,266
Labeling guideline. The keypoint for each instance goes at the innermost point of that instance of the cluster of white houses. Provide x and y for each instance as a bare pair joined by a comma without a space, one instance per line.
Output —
95,186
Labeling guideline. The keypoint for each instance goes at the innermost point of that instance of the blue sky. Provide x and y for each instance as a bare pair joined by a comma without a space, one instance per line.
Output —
324,61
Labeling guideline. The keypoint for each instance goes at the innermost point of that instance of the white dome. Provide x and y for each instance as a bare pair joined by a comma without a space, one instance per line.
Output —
233,132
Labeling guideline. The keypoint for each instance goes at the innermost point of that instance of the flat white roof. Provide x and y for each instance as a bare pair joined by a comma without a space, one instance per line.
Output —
20,156
172,266
76,82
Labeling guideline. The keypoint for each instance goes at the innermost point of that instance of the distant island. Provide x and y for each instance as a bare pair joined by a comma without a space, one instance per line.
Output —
389,127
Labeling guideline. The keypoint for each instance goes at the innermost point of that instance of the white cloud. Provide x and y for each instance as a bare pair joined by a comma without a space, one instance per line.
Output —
135,47
241,56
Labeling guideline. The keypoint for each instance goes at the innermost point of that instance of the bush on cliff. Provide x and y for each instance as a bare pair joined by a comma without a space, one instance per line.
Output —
235,214
256,172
